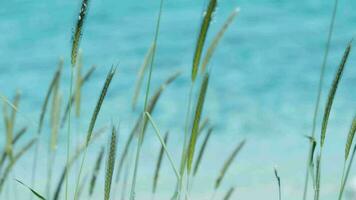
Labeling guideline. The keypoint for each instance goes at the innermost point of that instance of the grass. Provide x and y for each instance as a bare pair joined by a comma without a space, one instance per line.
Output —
121,154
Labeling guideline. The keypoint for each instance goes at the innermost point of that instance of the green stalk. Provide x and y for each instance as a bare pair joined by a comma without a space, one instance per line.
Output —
140,137
317,103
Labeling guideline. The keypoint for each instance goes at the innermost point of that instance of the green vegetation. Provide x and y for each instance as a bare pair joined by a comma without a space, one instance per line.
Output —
194,128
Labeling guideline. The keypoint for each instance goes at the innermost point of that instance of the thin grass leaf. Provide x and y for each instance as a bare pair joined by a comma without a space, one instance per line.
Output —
196,122
110,164
32,190
78,31
350,138
141,73
158,134
96,171
201,151
317,179
9,167
229,193
158,165
84,80
202,36
74,158
332,93
319,94
228,163
210,51
150,108
55,116
278,182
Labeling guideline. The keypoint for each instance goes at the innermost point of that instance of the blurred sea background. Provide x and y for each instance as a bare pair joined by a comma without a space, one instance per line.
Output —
263,86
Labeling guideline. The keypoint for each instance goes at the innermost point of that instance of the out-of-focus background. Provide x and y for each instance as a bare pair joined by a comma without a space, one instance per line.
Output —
263,85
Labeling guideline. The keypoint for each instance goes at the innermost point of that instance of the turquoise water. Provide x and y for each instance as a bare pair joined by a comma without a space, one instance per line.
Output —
263,84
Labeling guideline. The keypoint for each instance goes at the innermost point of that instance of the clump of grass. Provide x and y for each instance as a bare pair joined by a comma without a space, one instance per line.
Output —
110,164
198,112
96,171
228,163
99,103
38,195
208,15
158,165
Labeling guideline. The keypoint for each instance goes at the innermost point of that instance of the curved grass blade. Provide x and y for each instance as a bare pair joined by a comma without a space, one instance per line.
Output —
32,190
158,165
78,32
332,93
228,163
110,164
196,122
201,151
229,193
141,73
202,36
96,171
78,82
210,51
158,134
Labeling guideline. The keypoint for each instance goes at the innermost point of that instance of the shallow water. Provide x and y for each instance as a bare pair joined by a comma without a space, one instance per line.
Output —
263,83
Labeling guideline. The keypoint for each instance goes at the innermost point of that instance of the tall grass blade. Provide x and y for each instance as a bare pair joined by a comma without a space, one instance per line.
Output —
228,163
78,82
158,165
196,122
208,15
32,190
332,93
350,138
210,51
201,151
